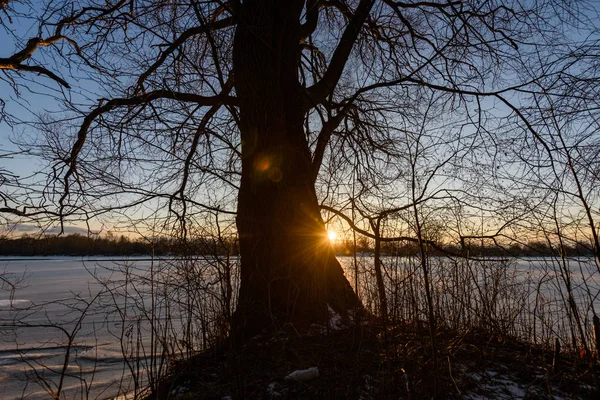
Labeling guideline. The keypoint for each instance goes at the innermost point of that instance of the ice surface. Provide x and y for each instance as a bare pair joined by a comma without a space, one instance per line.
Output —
13,302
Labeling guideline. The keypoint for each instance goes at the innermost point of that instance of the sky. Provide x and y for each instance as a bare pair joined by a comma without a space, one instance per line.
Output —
37,94
28,96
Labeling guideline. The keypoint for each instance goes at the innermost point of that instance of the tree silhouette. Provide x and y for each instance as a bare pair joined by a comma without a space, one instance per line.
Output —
234,107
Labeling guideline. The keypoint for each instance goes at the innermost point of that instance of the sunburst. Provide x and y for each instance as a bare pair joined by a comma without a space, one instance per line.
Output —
332,235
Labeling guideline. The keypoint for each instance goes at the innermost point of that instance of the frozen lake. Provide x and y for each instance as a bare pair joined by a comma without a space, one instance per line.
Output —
80,318
56,303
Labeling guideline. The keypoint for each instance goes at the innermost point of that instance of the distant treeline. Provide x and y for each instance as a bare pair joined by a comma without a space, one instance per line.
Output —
110,245
529,249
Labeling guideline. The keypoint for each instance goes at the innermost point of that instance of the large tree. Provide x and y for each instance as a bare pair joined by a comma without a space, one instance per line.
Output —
288,271
205,99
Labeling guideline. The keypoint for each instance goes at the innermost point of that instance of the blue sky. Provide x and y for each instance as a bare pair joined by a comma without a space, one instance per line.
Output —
27,96
39,94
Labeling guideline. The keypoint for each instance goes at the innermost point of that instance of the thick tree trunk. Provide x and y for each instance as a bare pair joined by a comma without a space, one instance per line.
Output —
288,273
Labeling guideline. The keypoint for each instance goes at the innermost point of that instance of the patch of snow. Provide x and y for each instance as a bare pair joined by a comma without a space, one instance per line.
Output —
303,375
226,398
512,389
585,386
495,385
318,328
335,320
179,391
272,390
352,314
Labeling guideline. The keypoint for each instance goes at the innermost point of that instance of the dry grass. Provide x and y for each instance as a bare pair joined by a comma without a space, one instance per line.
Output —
373,363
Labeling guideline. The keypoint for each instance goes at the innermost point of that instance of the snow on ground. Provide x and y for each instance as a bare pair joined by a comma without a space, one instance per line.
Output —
273,391
335,320
507,385
498,387
181,389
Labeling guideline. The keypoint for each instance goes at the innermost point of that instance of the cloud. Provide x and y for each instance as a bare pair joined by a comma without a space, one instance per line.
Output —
24,228
68,230
16,229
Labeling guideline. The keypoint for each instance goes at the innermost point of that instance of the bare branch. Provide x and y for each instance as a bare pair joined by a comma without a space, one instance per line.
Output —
15,62
319,91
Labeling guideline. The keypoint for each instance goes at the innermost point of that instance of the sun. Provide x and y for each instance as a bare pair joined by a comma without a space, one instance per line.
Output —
332,235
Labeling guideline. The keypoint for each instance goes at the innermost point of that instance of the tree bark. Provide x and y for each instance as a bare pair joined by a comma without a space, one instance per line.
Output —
288,272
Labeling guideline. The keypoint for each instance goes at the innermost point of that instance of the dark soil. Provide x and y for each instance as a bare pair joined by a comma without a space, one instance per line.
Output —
371,362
